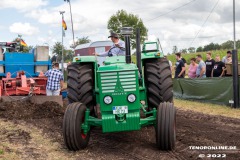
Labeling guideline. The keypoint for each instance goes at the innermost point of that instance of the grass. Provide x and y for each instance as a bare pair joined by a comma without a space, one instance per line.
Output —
207,108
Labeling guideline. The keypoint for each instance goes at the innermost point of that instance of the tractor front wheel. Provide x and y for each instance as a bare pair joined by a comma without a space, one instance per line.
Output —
73,135
158,81
165,127
80,84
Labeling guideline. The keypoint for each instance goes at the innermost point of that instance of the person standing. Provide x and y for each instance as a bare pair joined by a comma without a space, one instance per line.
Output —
185,63
201,69
55,81
180,67
117,49
228,58
192,68
209,64
219,67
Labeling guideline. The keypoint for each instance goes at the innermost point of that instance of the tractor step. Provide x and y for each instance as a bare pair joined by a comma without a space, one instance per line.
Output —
33,99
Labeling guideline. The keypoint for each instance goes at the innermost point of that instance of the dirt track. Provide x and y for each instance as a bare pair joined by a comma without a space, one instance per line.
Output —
31,131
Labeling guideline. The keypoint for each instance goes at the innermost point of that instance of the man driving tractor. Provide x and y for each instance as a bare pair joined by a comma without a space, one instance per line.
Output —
117,49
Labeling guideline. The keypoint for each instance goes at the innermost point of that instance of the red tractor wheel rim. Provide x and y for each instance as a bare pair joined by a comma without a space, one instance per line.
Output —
84,136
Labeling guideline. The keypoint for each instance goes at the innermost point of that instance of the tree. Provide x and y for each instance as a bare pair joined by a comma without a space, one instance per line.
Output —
57,50
191,49
183,50
82,40
27,48
199,49
21,48
123,19
211,46
175,49
227,45
69,56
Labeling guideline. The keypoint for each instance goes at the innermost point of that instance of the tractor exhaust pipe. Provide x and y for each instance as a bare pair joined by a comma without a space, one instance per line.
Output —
138,51
126,32
128,49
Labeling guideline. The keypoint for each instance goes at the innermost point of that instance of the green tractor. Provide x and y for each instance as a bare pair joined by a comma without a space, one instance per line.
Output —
120,96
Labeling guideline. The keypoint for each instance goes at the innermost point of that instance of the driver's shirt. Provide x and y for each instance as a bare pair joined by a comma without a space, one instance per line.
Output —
114,50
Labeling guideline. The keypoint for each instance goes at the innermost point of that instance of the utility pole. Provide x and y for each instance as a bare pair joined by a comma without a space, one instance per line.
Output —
235,64
62,12
71,20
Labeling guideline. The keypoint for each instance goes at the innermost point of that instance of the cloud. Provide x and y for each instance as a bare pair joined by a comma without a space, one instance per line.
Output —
22,5
23,28
178,27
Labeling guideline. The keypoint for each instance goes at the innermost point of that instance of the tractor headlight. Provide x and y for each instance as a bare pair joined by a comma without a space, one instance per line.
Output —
131,98
107,100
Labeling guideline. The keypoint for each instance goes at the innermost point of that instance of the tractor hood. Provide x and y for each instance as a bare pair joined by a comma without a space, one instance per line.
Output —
114,60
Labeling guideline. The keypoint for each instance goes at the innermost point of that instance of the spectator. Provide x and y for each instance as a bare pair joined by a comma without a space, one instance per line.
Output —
227,58
201,69
180,67
219,67
55,80
209,64
185,63
192,68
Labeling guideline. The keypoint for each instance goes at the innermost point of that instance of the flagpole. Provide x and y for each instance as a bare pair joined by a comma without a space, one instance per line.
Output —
62,12
235,63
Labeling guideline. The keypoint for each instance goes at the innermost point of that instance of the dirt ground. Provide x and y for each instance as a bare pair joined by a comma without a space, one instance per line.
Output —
30,131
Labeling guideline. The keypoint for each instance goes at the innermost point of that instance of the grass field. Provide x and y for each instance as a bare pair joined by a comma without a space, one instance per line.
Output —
207,108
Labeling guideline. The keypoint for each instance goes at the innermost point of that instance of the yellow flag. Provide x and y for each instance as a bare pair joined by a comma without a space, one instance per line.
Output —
64,25
23,43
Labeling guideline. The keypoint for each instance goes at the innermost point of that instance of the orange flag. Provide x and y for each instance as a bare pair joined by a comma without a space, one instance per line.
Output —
64,25
23,43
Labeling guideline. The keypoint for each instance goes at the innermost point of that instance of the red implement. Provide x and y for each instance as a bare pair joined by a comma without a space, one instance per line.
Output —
21,85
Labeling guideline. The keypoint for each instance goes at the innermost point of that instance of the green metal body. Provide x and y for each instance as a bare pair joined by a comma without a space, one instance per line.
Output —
118,80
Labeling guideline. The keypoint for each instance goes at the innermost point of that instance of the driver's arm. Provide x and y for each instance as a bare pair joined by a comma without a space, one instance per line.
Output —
103,54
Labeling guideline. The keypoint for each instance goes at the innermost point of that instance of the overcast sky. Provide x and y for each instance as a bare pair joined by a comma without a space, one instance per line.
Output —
178,22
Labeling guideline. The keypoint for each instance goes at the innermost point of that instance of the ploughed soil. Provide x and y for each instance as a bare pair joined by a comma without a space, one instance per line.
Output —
31,131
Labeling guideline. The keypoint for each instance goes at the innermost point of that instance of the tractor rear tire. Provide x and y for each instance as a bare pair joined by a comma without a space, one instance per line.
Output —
80,84
166,126
73,135
158,81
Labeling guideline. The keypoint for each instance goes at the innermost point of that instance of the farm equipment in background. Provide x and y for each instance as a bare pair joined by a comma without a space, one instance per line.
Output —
115,95
21,74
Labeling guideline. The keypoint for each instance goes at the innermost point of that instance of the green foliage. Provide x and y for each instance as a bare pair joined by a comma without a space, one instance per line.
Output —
183,50
175,49
57,49
68,56
227,45
20,48
27,48
123,19
199,49
191,50
1,152
212,46
82,40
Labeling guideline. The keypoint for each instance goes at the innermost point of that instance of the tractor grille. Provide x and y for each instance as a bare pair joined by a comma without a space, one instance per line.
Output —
118,81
